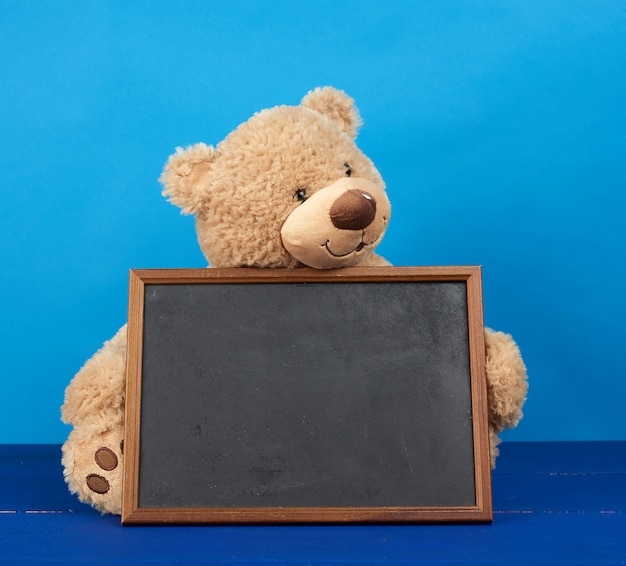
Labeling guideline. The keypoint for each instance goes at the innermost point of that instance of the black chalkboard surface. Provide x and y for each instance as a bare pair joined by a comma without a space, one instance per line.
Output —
306,396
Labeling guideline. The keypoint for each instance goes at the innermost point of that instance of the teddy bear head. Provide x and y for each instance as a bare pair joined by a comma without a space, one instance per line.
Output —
289,187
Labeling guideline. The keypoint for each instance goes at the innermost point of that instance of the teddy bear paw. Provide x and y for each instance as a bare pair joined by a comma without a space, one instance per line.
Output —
507,382
107,461
94,470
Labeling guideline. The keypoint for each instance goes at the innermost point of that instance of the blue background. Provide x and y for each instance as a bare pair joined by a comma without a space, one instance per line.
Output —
499,128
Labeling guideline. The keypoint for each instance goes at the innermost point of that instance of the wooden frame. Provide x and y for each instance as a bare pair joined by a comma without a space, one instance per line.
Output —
144,435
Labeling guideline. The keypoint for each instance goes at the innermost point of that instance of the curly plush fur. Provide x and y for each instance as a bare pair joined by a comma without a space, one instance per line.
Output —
287,188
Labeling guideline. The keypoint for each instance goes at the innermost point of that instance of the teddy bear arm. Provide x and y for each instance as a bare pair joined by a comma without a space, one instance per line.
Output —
507,382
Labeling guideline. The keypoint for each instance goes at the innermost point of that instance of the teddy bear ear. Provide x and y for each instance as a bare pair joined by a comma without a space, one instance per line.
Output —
336,105
182,177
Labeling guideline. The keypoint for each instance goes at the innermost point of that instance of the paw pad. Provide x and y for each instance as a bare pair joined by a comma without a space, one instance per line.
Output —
107,461
98,483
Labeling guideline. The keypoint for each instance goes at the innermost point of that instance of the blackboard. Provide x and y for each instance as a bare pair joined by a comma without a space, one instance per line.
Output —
271,395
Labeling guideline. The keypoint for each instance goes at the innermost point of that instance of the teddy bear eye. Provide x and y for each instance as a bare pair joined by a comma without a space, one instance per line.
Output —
300,195
348,169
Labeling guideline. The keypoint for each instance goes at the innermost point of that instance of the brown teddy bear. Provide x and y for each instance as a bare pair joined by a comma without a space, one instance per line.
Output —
287,188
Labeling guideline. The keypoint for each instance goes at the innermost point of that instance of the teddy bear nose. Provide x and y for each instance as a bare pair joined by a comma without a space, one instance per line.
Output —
353,210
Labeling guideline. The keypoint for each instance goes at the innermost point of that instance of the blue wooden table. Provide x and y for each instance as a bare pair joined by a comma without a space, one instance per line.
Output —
554,503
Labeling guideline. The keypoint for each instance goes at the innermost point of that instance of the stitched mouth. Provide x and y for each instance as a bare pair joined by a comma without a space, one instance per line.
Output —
355,250
361,245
